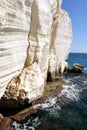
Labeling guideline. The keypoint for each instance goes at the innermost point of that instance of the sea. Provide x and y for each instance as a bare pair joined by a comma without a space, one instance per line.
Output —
67,111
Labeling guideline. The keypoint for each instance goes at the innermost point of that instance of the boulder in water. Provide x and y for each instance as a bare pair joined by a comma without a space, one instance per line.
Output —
77,68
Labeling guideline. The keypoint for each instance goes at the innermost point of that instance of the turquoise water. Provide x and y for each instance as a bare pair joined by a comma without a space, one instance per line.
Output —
68,111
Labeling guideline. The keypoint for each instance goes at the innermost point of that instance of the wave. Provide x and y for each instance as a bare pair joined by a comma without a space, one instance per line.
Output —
70,94
29,125
85,71
48,104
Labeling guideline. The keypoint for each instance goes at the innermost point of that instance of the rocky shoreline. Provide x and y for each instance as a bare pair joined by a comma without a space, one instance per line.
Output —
52,89
32,45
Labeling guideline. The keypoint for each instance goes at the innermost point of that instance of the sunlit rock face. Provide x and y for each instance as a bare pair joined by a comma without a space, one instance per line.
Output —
35,35
28,85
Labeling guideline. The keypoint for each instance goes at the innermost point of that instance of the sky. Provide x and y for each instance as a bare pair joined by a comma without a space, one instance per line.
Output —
77,10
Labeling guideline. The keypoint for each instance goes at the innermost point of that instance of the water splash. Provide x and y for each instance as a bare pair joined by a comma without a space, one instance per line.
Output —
47,105
85,71
30,124
70,92
53,106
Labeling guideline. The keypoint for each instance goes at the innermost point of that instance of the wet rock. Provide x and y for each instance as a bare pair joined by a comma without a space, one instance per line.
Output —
50,91
5,123
24,114
77,68
1,117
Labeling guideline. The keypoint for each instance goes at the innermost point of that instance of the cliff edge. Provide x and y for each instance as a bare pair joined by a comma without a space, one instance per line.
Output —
35,39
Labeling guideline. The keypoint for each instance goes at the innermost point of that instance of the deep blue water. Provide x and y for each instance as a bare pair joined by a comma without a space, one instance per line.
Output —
80,58
68,111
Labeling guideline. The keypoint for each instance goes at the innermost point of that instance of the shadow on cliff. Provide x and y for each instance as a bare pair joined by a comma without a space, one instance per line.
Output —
33,35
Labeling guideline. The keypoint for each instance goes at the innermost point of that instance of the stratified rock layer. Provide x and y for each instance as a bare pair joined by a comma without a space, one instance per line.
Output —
35,37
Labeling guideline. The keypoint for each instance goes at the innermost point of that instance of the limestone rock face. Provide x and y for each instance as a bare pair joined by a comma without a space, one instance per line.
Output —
35,35
28,85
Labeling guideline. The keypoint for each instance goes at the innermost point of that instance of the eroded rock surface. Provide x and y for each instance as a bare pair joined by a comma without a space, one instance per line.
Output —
77,68
28,85
35,35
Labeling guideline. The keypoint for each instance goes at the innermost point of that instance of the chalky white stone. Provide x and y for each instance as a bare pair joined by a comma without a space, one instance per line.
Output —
34,34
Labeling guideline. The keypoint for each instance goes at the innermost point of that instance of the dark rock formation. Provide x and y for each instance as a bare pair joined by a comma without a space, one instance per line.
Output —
6,121
50,91
49,76
77,68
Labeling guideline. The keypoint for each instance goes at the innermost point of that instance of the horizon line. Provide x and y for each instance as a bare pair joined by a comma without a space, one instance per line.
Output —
77,52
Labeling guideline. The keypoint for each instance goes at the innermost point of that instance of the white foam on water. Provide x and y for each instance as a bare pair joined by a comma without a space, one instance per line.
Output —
85,69
48,104
53,105
18,126
67,80
27,125
70,92
31,128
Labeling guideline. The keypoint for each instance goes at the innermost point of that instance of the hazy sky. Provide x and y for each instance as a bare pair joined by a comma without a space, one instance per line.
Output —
77,10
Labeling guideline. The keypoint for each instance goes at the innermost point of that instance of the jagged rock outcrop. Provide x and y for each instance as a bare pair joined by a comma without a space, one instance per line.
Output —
35,35
77,68
28,85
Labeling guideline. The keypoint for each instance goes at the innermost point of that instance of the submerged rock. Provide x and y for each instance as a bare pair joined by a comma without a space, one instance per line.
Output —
5,124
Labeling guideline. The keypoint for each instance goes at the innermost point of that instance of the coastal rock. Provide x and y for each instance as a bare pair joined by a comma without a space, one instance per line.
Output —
50,92
28,85
77,68
5,124
63,67
35,35
1,117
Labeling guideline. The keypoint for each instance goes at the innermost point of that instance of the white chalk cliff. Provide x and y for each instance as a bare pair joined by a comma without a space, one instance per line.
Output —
35,36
